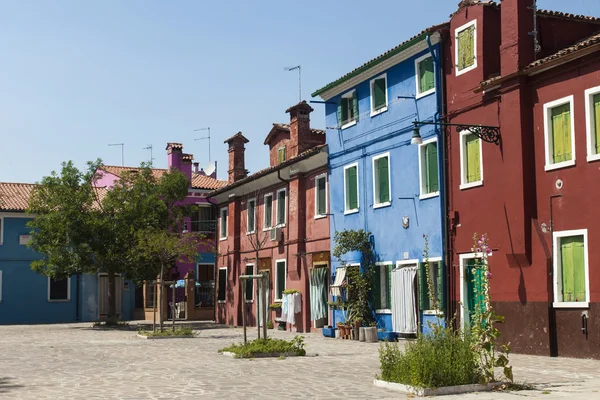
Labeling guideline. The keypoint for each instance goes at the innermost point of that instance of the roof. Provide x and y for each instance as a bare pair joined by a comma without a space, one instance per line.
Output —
286,128
199,181
559,14
15,196
237,136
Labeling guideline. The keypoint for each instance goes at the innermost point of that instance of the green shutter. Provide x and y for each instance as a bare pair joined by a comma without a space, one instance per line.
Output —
280,279
422,287
573,269
281,208
596,145
222,284
351,189
426,81
579,269
431,167
376,288
268,211
321,197
441,286
389,269
561,133
224,223
355,105
383,177
345,115
466,50
249,282
473,158
379,93
340,118
251,216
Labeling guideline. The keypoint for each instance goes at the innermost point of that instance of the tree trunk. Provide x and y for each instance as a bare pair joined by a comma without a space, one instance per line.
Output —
155,289
162,293
112,298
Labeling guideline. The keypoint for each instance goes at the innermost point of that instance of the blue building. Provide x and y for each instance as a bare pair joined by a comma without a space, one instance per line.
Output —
27,297
382,183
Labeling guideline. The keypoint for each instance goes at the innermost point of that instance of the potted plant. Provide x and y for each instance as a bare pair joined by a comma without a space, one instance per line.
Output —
370,333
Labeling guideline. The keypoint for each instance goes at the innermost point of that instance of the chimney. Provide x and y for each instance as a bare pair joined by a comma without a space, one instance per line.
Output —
186,165
516,49
174,152
196,165
237,168
300,133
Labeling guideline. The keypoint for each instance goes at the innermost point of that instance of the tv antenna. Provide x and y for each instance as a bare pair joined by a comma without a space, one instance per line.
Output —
205,137
122,152
297,67
149,147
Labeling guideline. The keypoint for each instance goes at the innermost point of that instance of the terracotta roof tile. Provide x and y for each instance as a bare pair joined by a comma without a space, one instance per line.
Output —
199,181
582,44
15,196
559,14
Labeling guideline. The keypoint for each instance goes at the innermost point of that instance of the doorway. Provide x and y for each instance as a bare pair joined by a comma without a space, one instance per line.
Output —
319,289
471,293
103,295
403,297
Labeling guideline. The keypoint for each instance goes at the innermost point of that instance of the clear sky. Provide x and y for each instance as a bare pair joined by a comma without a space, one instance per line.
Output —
77,75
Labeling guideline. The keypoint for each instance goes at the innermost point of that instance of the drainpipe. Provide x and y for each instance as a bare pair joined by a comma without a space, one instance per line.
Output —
551,310
287,222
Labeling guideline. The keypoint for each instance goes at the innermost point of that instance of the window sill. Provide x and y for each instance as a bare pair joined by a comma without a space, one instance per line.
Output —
383,311
222,239
280,226
382,205
348,125
267,229
377,112
249,301
470,185
429,195
590,158
348,212
433,312
465,70
424,94
564,164
59,301
221,301
250,233
571,304
320,216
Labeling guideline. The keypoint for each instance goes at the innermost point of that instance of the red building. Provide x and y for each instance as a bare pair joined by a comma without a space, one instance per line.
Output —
535,75
275,221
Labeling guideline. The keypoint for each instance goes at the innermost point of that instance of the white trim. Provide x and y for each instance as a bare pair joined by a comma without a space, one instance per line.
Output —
226,277
320,176
68,292
462,258
284,261
463,171
221,223
421,149
265,227
547,137
348,125
385,310
373,159
433,259
253,199
412,261
346,209
1,230
456,32
0,286
556,235
246,272
417,73
382,109
590,123
350,95
277,224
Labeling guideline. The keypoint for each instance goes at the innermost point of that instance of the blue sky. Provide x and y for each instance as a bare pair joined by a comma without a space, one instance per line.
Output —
78,75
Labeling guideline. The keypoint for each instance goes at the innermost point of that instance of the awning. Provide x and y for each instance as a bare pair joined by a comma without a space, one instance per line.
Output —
340,275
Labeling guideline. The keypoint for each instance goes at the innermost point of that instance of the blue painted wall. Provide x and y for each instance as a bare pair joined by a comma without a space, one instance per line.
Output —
391,132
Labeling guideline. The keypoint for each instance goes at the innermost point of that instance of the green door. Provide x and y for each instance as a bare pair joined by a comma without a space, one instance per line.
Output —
474,297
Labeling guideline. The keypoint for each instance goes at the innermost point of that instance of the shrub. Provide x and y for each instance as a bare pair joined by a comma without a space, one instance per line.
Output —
183,331
269,346
269,324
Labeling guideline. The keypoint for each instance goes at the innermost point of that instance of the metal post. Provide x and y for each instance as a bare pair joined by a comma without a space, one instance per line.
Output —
173,306
264,304
242,282
258,289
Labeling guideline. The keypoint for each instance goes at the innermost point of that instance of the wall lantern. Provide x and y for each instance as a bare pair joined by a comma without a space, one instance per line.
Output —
490,134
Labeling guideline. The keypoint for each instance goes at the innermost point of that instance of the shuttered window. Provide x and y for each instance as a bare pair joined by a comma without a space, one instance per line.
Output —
436,269
378,94
251,217
475,294
348,109
472,158
596,124
572,269
222,284
465,42
429,168
281,156
425,75
268,217
560,120
223,224
281,207
382,180
351,188
382,286
249,282
321,195
280,281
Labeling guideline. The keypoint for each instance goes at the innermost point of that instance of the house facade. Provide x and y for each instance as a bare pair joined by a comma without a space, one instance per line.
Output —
533,191
385,185
275,222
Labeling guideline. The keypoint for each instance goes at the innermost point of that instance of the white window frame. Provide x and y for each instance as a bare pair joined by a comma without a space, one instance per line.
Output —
548,137
422,194
284,261
378,264
349,95
284,209
346,210
373,159
221,238
456,32
249,232
556,236
463,170
433,312
253,272
417,74
226,277
317,178
68,292
590,123
265,227
462,258
382,109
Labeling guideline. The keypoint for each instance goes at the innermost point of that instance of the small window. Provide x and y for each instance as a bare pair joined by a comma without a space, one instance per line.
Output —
205,220
471,160
571,269
281,156
351,188
379,100
592,100
150,287
221,295
381,180
268,212
428,165
321,195
425,76
281,207
58,289
382,285
280,279
249,282
251,216
223,224
558,133
436,270
466,48
348,110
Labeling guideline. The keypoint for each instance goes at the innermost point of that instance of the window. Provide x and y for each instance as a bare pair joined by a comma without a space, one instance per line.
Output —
279,279
471,289
59,289
281,207
471,163
592,110
379,100
205,220
571,279
281,155
251,216
249,283
321,196
348,110
268,212
221,295
424,69
381,180
351,188
428,169
382,286
223,224
559,126
150,294
436,269
466,47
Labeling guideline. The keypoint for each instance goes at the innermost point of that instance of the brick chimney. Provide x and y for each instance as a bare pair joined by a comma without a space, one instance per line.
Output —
300,133
186,165
516,49
174,153
237,167
196,166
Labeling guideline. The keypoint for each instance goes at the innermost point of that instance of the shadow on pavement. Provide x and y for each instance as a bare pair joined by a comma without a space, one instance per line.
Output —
6,386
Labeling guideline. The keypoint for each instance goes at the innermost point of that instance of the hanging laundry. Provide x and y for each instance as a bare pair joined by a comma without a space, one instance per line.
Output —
284,307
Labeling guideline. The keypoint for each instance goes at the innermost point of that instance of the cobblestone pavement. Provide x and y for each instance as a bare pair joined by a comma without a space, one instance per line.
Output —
73,361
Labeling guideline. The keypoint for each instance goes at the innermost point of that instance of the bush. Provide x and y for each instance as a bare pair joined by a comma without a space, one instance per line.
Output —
270,346
441,358
183,331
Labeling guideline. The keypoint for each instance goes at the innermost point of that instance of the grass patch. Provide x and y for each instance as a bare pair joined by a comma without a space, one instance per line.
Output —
182,331
111,323
270,346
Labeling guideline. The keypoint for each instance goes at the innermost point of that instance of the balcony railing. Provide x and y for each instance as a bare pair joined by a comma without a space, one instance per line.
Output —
209,226
205,294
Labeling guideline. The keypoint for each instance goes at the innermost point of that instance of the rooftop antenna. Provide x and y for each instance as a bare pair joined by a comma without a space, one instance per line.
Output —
149,147
205,137
122,152
297,67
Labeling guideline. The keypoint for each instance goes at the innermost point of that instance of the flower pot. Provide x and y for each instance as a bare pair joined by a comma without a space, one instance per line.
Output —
370,333
329,332
361,334
355,332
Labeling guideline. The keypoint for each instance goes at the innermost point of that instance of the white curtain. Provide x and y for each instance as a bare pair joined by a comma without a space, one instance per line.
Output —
404,310
318,293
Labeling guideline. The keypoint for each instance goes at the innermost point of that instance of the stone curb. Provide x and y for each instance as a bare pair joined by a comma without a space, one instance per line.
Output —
164,337
425,392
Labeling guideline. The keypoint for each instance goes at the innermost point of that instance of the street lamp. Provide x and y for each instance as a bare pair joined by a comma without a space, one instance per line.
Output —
490,134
